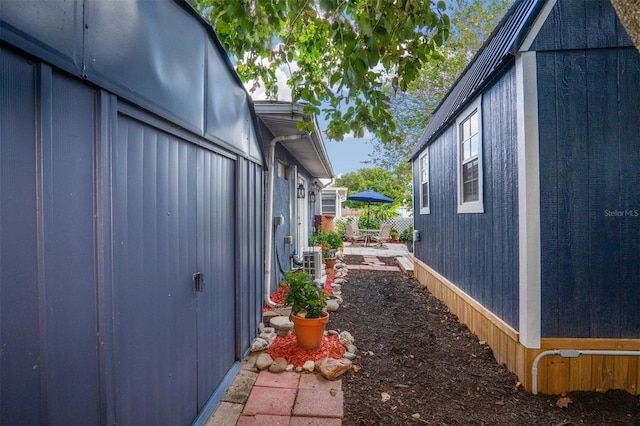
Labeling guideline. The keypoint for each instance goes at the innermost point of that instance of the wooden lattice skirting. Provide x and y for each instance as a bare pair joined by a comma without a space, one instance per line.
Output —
555,374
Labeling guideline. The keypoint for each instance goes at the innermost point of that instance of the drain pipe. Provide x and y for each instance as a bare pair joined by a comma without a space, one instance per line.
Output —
268,240
570,353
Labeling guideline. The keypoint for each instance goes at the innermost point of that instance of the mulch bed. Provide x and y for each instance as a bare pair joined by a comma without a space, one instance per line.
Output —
418,365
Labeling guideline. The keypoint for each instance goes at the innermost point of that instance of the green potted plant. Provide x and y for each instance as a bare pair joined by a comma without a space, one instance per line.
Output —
307,309
330,242
407,237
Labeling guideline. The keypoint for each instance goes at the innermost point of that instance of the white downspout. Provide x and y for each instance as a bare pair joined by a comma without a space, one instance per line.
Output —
268,240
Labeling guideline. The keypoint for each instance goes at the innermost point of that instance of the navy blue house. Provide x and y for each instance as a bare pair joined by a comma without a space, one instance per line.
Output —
527,197
131,214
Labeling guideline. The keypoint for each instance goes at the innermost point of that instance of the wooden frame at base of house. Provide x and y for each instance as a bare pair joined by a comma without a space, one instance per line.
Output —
556,374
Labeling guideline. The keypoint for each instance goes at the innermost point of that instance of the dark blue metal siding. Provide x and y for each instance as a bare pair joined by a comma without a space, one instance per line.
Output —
580,24
216,305
69,252
20,366
250,260
477,252
104,217
50,363
160,55
589,152
154,237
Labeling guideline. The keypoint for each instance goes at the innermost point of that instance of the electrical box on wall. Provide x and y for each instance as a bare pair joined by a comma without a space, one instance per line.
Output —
278,220
288,239
416,235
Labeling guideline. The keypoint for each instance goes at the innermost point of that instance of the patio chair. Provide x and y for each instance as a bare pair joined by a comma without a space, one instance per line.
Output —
352,233
383,236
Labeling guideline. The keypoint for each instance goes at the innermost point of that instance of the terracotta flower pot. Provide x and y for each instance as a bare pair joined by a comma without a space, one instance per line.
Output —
309,331
330,263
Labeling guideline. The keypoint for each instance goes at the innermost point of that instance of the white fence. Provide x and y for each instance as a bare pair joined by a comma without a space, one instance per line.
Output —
397,223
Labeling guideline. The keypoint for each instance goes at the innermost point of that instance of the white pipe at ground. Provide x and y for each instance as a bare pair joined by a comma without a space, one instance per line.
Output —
570,353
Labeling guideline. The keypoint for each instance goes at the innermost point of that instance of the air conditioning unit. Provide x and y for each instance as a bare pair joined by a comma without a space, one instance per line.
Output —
312,262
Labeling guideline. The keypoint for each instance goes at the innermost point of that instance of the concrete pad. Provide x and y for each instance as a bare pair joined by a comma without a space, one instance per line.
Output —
278,380
241,386
314,421
261,420
314,403
273,401
227,413
317,382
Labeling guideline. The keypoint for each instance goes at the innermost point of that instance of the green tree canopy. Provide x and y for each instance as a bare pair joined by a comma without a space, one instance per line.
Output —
380,180
338,53
471,23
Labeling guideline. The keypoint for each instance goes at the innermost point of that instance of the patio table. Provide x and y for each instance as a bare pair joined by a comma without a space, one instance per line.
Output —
368,233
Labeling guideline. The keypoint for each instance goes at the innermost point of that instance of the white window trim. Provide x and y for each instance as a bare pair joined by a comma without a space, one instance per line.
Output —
427,209
472,206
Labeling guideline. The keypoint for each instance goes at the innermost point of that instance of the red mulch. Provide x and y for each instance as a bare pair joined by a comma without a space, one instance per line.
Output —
286,347
278,295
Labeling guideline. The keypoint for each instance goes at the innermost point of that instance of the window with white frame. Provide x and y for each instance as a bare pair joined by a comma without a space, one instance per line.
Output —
469,126
425,207
283,170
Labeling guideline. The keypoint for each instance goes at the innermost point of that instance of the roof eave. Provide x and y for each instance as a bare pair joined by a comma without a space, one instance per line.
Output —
281,119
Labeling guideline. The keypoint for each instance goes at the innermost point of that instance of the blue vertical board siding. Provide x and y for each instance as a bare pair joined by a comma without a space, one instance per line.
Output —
477,252
154,228
548,154
580,24
573,194
20,362
604,189
629,231
565,27
501,204
589,151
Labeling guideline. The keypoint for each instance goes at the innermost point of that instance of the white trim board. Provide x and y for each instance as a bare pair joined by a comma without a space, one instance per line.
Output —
528,200
537,25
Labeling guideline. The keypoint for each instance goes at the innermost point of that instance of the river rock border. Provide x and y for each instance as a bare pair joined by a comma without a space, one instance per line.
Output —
278,324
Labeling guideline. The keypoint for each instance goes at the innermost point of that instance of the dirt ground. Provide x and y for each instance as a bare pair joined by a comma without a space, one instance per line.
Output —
418,365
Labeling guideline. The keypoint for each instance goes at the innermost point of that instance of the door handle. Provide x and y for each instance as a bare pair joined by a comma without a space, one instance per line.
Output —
198,282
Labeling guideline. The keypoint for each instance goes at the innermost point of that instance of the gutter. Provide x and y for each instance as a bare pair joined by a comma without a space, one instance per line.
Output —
268,240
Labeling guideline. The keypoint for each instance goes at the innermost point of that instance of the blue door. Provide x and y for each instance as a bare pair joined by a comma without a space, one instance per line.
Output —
173,223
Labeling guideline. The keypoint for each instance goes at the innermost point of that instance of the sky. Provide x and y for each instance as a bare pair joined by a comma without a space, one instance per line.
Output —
347,155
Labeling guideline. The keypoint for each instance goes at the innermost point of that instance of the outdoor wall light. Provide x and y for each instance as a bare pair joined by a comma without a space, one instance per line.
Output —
312,196
301,191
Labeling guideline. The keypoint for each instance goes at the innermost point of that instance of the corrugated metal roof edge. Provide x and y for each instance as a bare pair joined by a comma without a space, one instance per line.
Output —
521,34
216,41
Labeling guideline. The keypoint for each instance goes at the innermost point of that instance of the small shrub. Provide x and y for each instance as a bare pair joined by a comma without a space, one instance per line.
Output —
305,299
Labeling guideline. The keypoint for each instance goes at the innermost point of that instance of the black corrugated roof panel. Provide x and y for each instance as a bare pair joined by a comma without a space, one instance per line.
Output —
501,44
